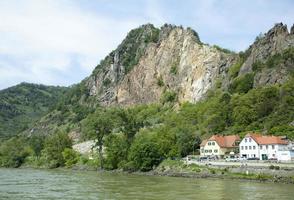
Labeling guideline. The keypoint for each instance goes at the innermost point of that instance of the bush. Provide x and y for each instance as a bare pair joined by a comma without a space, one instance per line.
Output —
168,96
70,157
160,82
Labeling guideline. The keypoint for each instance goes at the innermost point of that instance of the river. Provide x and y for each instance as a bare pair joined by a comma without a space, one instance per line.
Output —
66,184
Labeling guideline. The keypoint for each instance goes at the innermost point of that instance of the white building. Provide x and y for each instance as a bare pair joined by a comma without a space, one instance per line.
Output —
261,147
286,153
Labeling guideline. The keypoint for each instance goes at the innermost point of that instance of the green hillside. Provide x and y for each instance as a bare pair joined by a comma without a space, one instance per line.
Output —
23,104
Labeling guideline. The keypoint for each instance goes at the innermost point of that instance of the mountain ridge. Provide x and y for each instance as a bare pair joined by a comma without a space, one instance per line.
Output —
171,65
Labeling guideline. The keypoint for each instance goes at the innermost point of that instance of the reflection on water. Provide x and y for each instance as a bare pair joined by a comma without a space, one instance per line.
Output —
66,184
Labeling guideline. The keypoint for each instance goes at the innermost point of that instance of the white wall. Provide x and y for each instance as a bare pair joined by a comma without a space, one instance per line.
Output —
249,148
211,148
270,150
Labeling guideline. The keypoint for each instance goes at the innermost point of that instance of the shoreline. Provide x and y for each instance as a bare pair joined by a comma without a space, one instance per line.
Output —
179,169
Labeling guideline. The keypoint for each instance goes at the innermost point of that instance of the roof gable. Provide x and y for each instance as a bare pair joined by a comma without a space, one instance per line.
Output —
265,139
227,141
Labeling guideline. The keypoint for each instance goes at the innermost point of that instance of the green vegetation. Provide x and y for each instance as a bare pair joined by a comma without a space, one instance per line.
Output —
242,84
54,151
168,96
286,58
141,137
174,69
160,82
222,49
23,104
106,82
133,47
234,69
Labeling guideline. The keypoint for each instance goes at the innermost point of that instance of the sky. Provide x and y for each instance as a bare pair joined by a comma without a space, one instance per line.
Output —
59,42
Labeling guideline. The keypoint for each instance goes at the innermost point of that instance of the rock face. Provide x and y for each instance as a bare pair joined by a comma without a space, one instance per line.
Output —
176,61
275,41
151,62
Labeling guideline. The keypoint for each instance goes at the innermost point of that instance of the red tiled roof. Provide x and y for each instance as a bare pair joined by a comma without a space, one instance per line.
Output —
264,139
226,141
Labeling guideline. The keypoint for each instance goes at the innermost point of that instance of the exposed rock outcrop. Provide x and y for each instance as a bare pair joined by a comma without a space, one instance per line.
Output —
177,59
275,41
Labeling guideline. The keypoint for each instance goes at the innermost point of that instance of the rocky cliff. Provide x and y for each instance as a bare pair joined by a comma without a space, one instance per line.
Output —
171,64
174,61
151,62
274,42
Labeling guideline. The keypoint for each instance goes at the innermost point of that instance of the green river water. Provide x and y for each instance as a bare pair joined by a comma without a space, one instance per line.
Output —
66,184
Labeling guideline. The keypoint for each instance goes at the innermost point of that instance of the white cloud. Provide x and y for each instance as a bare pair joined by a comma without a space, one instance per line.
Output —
61,41
44,35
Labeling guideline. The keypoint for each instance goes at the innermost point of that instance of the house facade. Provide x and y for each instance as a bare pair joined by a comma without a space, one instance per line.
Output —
261,147
219,146
286,153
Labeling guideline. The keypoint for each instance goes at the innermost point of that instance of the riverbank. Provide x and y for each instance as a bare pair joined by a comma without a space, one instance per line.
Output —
178,168
181,169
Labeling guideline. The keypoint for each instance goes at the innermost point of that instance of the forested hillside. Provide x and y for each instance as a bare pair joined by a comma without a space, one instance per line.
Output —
23,104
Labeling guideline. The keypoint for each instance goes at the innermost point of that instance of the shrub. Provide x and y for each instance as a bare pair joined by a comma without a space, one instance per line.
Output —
174,69
168,96
160,82
70,157
106,82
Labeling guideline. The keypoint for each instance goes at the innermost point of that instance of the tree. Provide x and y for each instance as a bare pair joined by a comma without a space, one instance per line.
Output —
144,153
98,125
53,148
116,148
36,142
13,152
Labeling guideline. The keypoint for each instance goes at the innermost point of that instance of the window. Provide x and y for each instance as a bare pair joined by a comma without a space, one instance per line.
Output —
254,155
242,147
246,147
209,143
249,139
210,150
266,146
202,150
212,143
215,151
254,147
245,140
206,151
260,147
273,146
274,155
250,147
